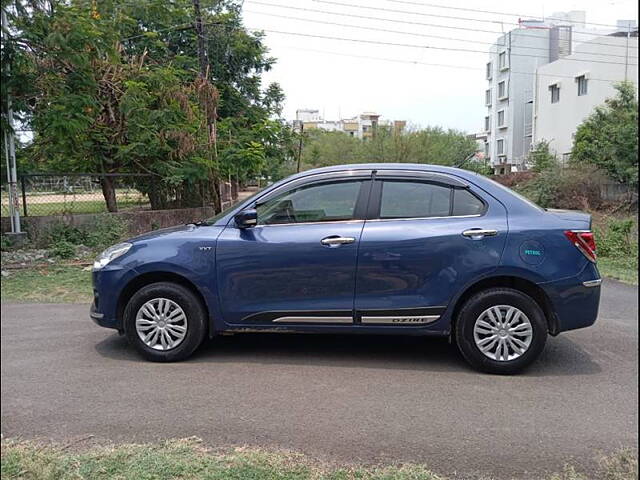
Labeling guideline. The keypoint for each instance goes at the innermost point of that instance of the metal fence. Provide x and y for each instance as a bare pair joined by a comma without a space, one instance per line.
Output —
59,194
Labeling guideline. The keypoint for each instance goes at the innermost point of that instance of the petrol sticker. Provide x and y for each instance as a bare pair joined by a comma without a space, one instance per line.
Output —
532,252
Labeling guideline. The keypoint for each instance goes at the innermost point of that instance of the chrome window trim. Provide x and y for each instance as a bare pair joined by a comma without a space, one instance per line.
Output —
421,218
308,223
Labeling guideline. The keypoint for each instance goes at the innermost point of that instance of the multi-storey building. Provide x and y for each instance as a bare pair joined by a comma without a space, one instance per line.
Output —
568,90
511,75
362,126
514,59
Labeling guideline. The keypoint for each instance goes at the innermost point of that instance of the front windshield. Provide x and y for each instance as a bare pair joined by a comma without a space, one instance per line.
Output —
218,216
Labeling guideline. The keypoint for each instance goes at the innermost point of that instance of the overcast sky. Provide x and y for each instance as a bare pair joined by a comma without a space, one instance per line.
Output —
332,76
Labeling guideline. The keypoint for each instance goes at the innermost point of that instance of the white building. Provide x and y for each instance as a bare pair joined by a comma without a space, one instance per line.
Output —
307,115
511,72
362,126
509,96
568,90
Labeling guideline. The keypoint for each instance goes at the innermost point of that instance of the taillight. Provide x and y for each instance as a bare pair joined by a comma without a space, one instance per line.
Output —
584,241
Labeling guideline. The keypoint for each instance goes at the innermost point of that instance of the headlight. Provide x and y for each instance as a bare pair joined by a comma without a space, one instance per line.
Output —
111,253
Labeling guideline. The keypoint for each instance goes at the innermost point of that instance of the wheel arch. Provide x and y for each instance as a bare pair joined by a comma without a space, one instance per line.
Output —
517,283
149,278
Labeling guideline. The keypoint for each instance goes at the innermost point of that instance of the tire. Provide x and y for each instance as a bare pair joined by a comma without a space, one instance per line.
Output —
475,328
170,298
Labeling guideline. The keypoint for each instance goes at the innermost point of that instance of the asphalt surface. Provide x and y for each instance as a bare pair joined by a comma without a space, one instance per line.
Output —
339,399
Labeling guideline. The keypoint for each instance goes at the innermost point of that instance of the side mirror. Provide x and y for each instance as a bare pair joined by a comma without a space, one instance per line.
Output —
246,218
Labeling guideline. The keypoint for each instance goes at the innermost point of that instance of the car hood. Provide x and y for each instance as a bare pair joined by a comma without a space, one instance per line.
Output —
179,231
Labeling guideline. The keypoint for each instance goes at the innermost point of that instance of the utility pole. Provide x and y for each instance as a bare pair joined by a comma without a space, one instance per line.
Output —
202,54
300,144
626,54
10,153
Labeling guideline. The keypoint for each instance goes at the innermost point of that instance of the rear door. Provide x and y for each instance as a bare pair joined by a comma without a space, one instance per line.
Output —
427,235
297,266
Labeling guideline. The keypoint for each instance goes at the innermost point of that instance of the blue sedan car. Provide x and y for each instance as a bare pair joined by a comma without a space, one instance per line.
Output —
394,249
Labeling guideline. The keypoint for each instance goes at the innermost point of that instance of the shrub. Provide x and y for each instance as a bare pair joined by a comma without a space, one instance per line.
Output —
615,239
63,249
102,231
5,243
105,230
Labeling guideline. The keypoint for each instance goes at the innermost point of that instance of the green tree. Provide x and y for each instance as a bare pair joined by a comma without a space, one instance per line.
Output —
541,158
608,138
114,86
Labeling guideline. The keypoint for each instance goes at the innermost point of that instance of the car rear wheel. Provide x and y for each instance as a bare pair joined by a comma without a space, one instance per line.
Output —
165,322
501,330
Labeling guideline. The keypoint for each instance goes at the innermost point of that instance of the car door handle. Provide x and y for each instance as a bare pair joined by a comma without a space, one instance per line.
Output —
478,233
335,240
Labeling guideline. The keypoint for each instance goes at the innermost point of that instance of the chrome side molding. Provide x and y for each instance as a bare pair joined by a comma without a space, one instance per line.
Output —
313,320
399,320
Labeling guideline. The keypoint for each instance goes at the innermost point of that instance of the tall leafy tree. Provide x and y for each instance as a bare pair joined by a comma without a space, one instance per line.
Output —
114,86
608,138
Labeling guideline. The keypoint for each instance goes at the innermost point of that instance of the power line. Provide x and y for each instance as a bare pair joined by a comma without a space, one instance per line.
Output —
377,29
519,15
391,10
429,47
405,22
445,65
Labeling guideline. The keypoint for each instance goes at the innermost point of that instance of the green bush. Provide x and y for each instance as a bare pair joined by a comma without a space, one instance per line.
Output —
101,232
63,249
105,230
614,239
5,243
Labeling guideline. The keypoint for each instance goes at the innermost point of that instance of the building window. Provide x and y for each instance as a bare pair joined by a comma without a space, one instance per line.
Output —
487,123
502,61
500,147
489,70
555,93
487,97
582,85
502,90
486,149
501,119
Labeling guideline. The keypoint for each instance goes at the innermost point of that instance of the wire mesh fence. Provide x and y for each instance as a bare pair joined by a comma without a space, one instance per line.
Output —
53,194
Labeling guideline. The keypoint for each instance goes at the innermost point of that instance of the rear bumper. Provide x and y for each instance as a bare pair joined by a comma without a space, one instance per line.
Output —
575,300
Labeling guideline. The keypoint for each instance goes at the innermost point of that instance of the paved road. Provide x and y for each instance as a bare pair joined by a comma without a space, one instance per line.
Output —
346,399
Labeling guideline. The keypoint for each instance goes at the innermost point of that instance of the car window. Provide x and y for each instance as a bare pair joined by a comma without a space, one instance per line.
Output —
403,199
466,203
325,202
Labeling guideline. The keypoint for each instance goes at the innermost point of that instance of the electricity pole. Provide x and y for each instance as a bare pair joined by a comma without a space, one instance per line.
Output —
202,54
10,153
300,144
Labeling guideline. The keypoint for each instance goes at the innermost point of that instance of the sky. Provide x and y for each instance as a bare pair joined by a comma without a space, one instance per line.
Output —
425,86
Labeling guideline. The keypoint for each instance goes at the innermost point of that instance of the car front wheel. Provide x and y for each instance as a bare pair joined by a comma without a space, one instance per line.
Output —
165,322
501,330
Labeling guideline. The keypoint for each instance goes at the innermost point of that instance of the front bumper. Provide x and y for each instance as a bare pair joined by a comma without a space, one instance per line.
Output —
108,284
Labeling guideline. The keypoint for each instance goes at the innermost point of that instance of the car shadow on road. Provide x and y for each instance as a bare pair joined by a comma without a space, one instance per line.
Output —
562,356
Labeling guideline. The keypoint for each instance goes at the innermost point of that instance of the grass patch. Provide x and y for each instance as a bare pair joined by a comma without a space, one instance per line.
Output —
187,459
55,284
75,206
619,268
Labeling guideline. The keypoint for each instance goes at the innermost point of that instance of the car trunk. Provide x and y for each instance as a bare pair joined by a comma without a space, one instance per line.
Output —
579,220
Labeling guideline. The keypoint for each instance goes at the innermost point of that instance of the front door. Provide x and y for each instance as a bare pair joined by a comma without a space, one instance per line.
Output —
424,240
297,266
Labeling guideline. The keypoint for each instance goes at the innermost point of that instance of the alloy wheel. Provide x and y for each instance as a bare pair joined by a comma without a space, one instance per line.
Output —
503,333
161,324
